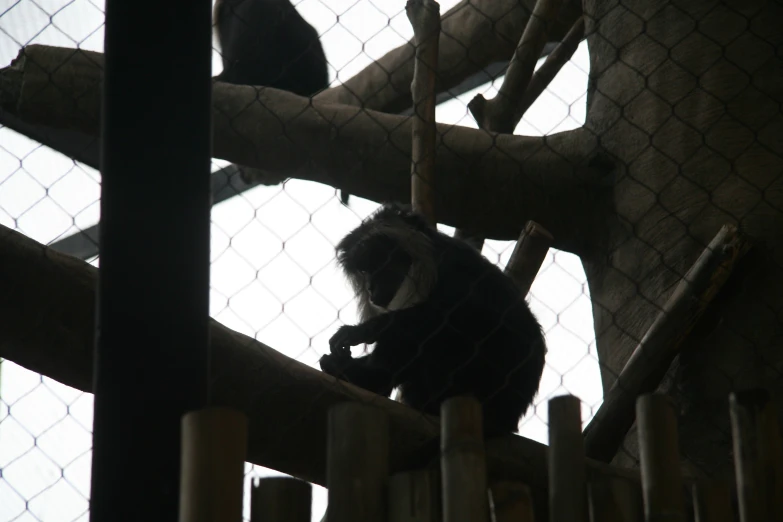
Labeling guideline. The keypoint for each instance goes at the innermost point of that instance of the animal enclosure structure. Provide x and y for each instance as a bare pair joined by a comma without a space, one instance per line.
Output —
671,194
456,486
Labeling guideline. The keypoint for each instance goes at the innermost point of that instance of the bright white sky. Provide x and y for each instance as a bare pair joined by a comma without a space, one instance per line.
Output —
273,272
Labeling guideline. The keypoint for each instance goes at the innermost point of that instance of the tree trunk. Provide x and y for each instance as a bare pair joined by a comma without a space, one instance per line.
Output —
687,97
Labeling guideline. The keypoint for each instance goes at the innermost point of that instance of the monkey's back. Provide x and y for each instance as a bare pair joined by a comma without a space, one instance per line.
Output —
268,43
487,343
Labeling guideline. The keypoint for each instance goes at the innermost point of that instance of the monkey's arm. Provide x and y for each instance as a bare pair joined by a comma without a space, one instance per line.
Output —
398,335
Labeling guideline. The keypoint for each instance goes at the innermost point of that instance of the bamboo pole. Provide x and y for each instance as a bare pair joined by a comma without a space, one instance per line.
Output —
757,455
712,501
424,16
463,464
357,463
414,496
528,255
281,499
652,357
613,500
662,484
567,482
214,443
511,502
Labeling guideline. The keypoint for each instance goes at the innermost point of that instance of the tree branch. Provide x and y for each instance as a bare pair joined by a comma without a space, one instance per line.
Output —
48,306
499,115
494,183
541,79
519,90
474,34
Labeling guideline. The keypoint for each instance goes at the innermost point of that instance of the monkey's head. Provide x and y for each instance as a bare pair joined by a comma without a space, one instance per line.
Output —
389,260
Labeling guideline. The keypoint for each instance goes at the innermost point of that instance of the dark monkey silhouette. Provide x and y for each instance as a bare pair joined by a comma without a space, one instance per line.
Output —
268,43
445,321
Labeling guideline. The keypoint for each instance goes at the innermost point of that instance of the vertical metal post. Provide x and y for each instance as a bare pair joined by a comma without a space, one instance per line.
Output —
152,350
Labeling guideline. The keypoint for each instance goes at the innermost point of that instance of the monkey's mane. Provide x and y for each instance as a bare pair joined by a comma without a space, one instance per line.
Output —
407,230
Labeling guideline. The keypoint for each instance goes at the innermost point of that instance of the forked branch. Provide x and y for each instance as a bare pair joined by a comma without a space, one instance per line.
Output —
503,112
475,34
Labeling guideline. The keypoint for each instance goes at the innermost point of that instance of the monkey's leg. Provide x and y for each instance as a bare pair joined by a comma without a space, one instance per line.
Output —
359,371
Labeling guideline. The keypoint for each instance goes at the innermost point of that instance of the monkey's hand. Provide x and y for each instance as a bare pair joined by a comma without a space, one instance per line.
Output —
347,336
334,364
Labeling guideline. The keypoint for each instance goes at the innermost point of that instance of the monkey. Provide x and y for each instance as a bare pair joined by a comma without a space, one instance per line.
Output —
268,43
445,321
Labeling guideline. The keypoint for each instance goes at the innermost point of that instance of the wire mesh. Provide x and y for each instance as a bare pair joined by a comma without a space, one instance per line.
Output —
682,101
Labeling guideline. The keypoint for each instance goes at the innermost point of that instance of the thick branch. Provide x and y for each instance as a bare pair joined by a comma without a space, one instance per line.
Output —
48,304
474,34
652,357
493,183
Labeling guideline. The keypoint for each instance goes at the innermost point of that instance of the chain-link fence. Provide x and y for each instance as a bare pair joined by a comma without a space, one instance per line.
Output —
682,135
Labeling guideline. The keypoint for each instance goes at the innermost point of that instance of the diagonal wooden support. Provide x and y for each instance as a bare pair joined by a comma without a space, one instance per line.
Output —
652,357
529,252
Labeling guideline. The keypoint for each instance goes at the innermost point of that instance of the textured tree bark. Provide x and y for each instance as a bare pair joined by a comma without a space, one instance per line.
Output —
494,182
474,34
686,96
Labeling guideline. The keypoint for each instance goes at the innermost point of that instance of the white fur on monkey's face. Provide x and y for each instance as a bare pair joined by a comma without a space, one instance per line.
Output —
419,281
408,294
415,289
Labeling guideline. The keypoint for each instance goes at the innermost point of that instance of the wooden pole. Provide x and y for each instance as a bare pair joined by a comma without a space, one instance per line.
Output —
214,444
614,500
463,464
567,482
652,357
511,502
757,455
281,499
424,16
660,459
712,501
414,496
357,463
528,255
